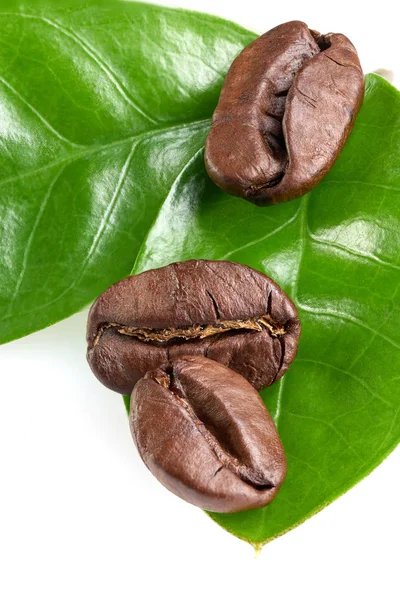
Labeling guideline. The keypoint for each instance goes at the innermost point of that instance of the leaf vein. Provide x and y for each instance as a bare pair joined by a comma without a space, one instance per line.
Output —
357,253
357,182
346,317
97,58
349,374
29,242
89,150
39,116
263,238
329,426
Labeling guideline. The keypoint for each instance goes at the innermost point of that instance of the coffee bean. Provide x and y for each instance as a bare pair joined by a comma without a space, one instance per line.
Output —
222,310
287,106
206,435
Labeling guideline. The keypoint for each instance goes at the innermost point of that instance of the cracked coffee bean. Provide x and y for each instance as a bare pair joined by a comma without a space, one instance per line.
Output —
204,433
286,109
219,309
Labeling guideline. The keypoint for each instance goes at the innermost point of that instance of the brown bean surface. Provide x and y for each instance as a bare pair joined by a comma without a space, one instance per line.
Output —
206,435
287,106
219,309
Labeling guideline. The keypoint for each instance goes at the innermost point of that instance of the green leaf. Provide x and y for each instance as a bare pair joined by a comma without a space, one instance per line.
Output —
336,252
101,108
127,403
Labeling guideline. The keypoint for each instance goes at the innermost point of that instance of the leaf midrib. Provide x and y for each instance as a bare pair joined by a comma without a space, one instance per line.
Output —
72,157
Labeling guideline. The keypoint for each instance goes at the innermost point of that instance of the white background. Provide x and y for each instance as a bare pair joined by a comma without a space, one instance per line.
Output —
81,517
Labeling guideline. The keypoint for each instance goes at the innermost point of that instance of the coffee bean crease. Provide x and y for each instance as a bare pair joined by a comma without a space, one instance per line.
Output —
195,332
219,309
205,433
228,460
286,108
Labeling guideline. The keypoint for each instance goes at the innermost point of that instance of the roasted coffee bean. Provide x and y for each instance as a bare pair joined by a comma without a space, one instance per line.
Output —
287,106
206,435
218,309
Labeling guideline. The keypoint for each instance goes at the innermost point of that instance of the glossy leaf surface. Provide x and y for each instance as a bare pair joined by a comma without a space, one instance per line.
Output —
336,252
